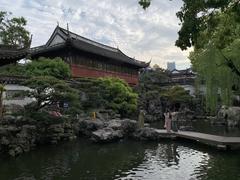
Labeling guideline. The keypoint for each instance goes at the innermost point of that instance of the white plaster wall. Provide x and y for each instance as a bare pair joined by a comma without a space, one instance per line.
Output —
57,39
192,89
22,102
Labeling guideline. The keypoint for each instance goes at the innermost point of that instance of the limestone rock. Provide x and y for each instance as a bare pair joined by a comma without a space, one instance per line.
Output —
230,115
106,135
86,127
147,133
152,104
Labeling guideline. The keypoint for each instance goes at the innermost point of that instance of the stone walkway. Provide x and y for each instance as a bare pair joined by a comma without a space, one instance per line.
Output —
221,142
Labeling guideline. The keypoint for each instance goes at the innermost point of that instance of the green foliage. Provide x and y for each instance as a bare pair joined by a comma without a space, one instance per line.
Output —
12,31
197,16
176,96
44,117
144,3
48,91
2,89
13,70
119,96
149,90
213,28
152,80
107,93
41,67
55,67
217,61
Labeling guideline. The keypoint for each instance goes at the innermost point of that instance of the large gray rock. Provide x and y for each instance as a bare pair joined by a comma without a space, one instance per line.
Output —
230,115
125,125
19,135
114,130
185,115
129,126
148,133
86,127
151,103
106,135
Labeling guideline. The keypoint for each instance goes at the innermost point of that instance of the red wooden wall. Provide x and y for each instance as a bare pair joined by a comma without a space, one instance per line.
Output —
84,71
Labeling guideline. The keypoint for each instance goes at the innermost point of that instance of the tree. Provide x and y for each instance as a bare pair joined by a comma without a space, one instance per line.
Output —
42,67
144,3
118,96
195,17
212,27
2,89
47,91
149,89
12,31
55,67
106,93
176,96
151,79
216,58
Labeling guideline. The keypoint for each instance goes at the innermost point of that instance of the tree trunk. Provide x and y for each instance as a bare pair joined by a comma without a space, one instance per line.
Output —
1,105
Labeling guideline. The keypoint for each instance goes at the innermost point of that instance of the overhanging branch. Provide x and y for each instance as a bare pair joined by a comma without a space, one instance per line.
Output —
230,64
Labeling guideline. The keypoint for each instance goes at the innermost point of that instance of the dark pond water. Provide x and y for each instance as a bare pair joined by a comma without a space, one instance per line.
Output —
124,160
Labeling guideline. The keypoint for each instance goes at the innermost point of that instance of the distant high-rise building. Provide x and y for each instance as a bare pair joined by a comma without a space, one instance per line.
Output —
171,66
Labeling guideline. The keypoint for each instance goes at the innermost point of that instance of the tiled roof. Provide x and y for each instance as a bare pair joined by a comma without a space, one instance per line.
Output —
10,55
86,45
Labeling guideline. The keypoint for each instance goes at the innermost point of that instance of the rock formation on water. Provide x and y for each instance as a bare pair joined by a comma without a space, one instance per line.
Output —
18,135
229,116
152,105
150,100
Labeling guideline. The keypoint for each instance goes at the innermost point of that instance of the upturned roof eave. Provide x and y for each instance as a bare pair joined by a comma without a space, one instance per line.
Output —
118,56
44,49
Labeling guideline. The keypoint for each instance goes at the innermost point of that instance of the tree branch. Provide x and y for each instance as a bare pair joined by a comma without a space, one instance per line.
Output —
230,64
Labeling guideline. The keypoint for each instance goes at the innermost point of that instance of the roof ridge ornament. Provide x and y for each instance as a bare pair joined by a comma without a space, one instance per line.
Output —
68,30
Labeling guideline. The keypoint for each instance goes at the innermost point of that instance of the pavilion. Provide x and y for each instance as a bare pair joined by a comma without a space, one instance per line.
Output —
88,58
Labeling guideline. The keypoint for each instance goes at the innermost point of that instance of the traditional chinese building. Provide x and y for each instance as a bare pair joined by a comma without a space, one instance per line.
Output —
88,58
11,54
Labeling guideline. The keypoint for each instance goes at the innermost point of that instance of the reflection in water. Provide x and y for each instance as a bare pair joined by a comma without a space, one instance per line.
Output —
169,162
124,160
172,154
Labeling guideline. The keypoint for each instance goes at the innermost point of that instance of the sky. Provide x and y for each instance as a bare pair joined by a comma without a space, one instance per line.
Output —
143,35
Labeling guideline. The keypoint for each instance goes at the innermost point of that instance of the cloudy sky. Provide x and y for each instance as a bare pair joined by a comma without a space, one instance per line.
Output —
145,35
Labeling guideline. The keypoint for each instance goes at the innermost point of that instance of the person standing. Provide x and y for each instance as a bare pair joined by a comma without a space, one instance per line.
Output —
168,118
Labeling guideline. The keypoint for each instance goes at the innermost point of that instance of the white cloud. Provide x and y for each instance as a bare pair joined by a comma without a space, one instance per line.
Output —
145,35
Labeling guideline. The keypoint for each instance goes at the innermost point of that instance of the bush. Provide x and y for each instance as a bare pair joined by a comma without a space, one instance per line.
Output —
107,93
55,67
42,67
44,117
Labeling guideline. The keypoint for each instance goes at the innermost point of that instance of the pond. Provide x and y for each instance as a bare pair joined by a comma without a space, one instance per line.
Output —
81,159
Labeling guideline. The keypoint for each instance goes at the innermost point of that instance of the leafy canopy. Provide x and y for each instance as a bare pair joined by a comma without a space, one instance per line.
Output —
47,91
42,67
13,30
156,76
176,94
119,96
216,56
2,89
144,3
196,16
107,93
212,27
55,67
